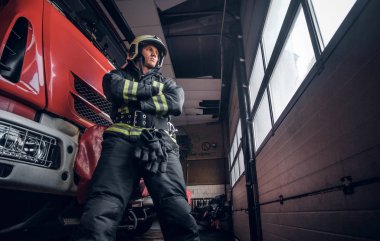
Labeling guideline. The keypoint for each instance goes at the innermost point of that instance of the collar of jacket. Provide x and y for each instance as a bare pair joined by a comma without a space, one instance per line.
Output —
132,67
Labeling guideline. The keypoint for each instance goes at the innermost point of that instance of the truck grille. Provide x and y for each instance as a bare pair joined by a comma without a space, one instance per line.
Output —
83,110
27,146
94,98
91,96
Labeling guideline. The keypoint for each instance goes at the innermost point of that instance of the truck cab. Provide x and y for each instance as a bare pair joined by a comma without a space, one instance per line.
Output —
51,66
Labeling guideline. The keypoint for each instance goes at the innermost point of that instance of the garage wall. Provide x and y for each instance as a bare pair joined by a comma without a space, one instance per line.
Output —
239,207
205,166
331,132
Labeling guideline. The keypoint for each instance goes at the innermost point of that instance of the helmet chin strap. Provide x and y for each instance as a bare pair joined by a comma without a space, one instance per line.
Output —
140,63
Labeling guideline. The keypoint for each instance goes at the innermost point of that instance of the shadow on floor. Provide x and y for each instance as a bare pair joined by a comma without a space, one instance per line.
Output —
156,235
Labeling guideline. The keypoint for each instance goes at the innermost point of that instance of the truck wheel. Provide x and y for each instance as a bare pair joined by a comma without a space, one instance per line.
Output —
143,226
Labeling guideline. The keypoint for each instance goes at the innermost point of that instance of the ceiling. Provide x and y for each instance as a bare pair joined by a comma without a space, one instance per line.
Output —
192,32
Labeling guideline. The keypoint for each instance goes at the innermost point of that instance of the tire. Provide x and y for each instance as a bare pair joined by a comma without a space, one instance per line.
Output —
143,226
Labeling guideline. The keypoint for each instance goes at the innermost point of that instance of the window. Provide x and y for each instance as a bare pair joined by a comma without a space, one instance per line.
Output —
236,170
241,162
296,57
329,16
236,156
12,58
95,27
236,141
295,61
232,177
256,77
273,23
231,157
238,132
262,122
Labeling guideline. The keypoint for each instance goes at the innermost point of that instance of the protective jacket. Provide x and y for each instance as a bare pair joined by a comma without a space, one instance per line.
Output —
141,101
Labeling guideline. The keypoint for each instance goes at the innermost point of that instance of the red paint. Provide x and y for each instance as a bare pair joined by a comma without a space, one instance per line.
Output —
17,108
30,89
55,50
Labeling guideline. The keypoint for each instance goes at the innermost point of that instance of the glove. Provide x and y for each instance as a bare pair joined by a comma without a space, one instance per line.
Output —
150,151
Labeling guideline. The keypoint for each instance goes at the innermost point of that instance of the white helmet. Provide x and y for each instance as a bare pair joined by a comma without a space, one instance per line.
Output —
140,41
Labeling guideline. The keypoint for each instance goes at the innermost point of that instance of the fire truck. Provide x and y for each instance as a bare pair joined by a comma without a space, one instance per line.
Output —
51,66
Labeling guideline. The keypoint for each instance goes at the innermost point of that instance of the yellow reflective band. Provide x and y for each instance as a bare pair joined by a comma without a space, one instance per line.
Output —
164,104
125,129
123,110
126,110
161,86
124,132
156,104
134,89
125,90
128,90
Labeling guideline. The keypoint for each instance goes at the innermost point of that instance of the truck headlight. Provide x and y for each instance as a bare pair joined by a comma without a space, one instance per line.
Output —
21,144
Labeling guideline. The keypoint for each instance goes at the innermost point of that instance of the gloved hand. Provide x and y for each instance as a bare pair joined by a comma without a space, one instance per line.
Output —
151,151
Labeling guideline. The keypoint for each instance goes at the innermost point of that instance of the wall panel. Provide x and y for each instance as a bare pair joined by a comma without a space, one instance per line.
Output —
332,131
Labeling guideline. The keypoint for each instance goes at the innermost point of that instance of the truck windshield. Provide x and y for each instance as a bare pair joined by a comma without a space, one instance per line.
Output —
89,18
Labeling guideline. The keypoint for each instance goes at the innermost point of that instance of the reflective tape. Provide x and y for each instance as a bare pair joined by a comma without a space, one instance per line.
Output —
130,90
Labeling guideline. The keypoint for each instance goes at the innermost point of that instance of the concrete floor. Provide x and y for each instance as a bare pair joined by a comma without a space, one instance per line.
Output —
154,234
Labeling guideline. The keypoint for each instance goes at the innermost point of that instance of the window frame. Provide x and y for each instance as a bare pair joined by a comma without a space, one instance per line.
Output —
320,56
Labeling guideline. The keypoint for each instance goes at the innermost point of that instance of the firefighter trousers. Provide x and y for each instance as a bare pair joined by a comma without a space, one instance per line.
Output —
112,186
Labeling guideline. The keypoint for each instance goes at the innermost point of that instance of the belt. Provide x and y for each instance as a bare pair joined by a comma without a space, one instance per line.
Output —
140,119
136,119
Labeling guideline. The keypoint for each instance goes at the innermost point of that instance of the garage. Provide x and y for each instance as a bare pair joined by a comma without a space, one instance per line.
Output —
258,120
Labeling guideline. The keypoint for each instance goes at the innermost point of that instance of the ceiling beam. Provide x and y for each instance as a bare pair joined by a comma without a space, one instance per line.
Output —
186,14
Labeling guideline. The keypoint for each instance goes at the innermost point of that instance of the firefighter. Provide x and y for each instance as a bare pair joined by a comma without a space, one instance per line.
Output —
139,143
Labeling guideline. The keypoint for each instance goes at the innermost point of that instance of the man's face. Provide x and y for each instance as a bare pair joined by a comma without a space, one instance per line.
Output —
150,54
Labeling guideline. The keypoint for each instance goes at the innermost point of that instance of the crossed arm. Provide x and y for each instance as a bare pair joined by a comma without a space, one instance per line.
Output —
155,98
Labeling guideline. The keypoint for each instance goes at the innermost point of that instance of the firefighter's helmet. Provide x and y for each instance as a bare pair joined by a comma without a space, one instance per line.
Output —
140,41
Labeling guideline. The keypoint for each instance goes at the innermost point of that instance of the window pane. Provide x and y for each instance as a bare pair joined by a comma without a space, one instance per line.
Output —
262,122
241,161
236,168
330,14
238,132
232,177
233,148
256,77
237,164
231,157
273,23
295,61
236,141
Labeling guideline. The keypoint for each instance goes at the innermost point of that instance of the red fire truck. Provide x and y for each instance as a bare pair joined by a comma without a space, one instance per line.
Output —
52,59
